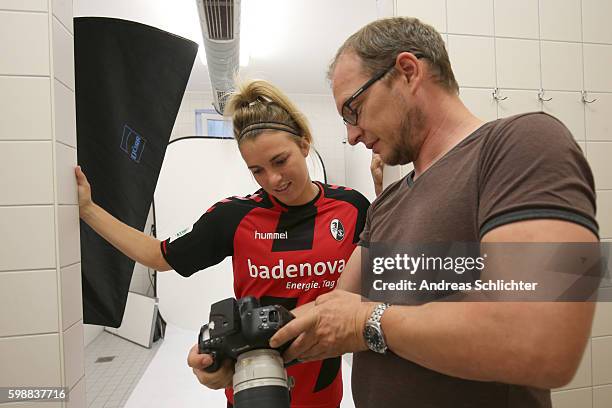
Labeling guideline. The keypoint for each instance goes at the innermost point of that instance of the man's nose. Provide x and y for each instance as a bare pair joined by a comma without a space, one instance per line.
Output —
354,134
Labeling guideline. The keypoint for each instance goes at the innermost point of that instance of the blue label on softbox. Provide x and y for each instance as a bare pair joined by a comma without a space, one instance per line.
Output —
132,143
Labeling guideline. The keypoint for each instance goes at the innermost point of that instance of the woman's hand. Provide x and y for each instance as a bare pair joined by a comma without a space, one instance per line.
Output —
376,168
222,378
84,189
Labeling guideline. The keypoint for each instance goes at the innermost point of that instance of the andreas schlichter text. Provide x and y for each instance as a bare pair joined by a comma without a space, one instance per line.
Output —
479,285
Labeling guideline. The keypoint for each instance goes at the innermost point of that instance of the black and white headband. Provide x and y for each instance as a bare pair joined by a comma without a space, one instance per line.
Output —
269,125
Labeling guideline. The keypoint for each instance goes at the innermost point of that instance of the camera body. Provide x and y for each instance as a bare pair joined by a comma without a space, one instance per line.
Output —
241,330
239,326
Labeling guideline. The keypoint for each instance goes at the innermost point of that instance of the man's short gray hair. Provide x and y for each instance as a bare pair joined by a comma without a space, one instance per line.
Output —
378,44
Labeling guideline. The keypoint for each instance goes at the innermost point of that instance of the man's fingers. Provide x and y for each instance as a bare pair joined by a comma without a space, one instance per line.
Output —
293,329
315,356
301,345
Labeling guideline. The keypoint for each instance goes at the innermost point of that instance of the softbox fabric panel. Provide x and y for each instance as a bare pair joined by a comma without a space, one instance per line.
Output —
130,80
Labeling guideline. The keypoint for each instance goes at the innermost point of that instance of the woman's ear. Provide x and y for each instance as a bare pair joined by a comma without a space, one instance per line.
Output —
305,147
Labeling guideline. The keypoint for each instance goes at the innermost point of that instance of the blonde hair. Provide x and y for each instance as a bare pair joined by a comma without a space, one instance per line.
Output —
258,106
378,44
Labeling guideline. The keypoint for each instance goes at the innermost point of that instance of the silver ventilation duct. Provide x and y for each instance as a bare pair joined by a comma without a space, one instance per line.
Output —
220,22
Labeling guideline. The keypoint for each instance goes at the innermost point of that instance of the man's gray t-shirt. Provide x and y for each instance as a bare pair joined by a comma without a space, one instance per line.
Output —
519,168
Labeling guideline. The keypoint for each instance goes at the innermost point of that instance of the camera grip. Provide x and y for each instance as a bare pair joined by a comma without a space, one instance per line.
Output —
216,364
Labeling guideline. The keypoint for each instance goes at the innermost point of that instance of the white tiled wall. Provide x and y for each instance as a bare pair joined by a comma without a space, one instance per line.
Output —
596,63
72,303
66,161
26,175
432,12
32,30
65,120
582,397
473,60
28,368
24,5
24,300
597,115
561,66
32,242
602,356
595,21
560,20
62,9
69,245
599,154
473,17
563,47
41,329
518,101
25,107
74,362
514,72
63,54
602,396
516,18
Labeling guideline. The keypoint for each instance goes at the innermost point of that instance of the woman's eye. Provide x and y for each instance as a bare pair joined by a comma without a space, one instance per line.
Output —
280,162
255,171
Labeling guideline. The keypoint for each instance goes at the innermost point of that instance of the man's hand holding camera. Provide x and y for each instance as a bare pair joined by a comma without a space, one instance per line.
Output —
332,327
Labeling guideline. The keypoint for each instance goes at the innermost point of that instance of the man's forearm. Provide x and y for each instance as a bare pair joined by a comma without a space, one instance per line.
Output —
529,344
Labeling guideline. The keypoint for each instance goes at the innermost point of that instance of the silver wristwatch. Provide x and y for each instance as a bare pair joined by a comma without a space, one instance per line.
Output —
373,333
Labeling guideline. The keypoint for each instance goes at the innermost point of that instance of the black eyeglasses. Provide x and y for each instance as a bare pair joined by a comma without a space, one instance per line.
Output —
350,115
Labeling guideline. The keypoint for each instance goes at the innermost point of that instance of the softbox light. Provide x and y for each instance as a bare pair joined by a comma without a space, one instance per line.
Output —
130,80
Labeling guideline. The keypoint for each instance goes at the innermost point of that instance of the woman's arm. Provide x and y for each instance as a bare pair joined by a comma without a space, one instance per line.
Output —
135,244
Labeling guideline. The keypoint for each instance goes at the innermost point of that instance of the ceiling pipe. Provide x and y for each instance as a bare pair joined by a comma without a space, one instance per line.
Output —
220,23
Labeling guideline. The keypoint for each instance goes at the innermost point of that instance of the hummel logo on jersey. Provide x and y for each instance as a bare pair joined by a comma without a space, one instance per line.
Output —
337,229
271,235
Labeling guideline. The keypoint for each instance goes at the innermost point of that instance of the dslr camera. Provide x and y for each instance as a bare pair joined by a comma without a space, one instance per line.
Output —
240,330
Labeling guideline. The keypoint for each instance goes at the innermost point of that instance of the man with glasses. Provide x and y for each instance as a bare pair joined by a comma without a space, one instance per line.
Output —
518,179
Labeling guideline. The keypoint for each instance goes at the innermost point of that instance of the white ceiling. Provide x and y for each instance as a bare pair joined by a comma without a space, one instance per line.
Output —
293,43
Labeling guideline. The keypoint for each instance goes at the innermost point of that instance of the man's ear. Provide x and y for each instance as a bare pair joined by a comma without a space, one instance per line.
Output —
409,67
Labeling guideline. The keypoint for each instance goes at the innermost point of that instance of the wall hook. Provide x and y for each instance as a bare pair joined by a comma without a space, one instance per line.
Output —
541,96
585,97
496,95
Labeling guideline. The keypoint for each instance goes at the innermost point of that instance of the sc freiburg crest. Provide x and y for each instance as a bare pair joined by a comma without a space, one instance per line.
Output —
337,229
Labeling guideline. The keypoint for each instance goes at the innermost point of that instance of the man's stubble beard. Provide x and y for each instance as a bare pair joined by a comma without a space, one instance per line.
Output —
408,144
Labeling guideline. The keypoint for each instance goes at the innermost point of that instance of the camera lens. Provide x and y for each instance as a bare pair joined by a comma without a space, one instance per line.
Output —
263,397
260,380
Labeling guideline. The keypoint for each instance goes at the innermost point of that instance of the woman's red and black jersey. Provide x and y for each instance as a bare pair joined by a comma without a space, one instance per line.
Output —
281,254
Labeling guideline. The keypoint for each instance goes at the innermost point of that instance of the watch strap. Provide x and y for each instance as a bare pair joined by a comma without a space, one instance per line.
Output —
378,312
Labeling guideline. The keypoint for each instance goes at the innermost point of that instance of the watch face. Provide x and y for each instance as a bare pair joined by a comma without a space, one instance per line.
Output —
374,339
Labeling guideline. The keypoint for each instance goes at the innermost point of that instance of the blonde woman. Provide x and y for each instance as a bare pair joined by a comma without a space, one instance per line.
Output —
289,241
